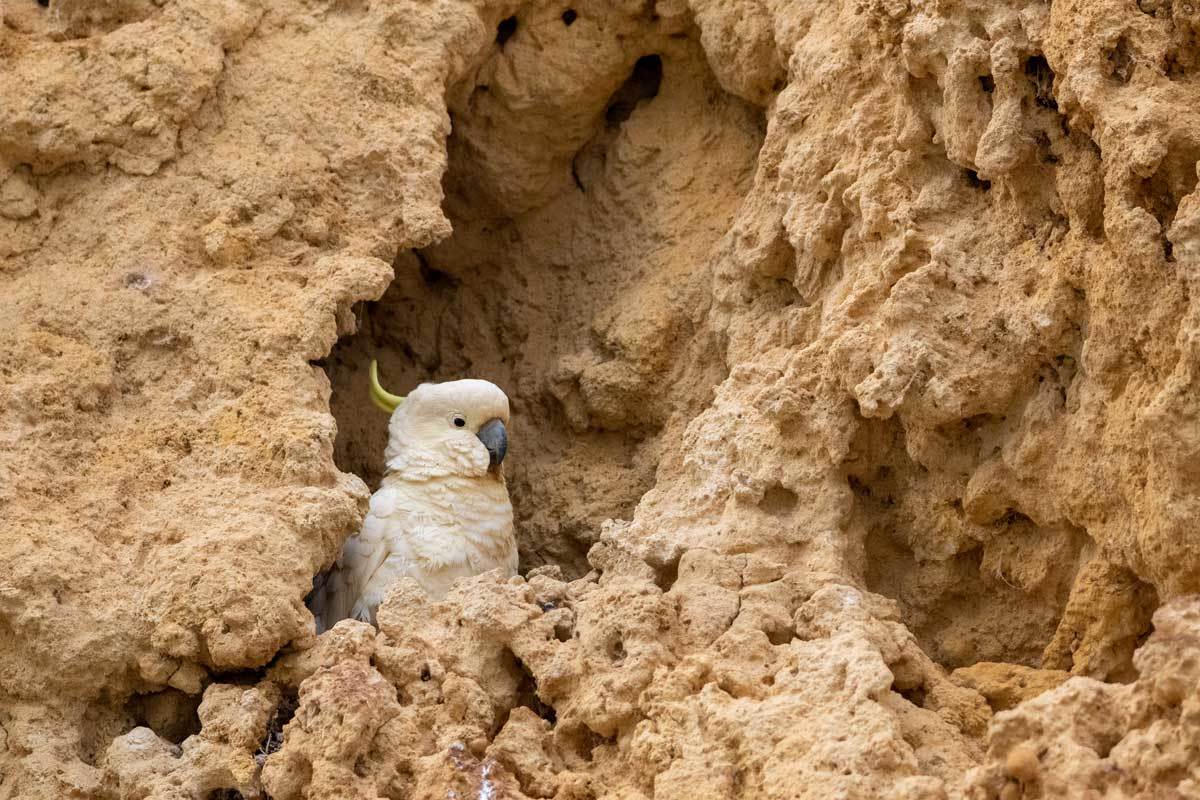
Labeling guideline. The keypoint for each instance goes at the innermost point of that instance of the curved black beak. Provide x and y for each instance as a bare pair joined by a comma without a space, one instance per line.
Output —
495,439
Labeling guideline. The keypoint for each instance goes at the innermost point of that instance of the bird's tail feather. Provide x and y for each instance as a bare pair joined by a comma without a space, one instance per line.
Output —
328,599
318,599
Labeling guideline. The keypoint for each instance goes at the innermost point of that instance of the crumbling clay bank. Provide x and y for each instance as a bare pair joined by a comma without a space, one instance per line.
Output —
853,351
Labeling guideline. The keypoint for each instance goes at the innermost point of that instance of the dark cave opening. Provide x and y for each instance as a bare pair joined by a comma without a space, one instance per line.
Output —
548,291
527,695
1041,78
170,713
642,85
975,182
273,739
505,30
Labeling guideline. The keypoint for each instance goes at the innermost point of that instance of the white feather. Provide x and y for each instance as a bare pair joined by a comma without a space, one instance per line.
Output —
440,513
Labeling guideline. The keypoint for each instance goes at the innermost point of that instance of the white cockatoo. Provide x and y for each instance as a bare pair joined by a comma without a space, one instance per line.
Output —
442,510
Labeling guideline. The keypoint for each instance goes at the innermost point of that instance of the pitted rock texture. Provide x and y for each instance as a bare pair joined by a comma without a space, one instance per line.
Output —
1089,739
853,356
631,698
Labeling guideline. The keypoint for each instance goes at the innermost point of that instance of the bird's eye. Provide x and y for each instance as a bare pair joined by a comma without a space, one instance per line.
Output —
459,422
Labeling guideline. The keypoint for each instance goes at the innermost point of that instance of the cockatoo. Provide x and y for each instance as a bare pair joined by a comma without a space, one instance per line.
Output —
442,510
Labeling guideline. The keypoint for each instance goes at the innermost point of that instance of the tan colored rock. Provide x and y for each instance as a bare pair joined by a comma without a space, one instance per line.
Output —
223,757
852,353
168,489
341,710
1007,685
491,661
1112,740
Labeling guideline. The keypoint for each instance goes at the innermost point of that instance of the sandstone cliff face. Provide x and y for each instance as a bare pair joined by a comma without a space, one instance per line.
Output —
853,353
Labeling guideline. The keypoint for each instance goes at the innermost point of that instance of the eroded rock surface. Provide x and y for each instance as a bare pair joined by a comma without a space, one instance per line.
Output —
853,357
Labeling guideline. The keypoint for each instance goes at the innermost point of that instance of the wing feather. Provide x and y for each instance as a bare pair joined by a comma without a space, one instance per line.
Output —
432,532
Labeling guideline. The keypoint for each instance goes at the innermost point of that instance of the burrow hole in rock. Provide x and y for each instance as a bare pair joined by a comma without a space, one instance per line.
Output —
273,740
170,713
972,590
643,84
527,694
1041,81
584,217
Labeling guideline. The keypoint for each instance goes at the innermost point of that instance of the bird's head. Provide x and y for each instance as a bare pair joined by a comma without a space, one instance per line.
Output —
457,427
